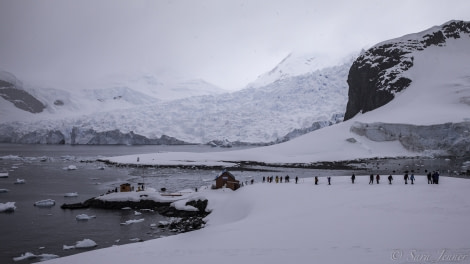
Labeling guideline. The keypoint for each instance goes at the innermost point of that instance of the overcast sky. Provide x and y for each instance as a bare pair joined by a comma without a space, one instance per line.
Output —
226,42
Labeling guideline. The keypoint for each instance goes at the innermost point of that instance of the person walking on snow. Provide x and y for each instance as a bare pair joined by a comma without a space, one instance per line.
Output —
296,179
329,180
371,179
353,177
377,178
406,178
412,178
316,180
390,179
429,178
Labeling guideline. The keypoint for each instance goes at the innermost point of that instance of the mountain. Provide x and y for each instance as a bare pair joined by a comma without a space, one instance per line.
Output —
428,118
276,112
381,72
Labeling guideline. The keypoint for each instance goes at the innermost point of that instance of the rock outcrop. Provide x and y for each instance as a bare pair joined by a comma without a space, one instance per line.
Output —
378,73
11,90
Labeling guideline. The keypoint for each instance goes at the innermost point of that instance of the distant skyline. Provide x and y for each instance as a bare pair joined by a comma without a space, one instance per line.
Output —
227,43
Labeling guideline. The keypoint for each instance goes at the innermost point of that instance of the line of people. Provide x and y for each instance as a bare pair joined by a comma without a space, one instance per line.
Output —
433,178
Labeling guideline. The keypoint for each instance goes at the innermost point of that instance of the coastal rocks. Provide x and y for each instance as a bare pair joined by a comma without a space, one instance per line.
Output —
163,208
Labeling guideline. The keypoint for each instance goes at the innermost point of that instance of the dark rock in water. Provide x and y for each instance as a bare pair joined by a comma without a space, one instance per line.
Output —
162,208
377,75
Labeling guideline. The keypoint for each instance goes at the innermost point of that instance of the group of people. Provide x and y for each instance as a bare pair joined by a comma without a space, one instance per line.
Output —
278,179
433,178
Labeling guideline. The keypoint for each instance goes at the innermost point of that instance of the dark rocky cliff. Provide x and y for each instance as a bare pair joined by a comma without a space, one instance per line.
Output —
376,76
11,90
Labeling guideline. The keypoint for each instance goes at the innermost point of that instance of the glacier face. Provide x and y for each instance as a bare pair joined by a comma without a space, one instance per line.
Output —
278,111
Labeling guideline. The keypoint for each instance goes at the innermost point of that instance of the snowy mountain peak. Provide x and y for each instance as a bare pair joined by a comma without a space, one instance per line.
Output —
295,64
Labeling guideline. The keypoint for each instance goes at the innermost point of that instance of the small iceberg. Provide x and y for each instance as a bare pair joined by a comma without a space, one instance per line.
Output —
128,222
3,174
31,256
70,167
7,207
85,243
20,181
4,190
45,203
84,217
71,194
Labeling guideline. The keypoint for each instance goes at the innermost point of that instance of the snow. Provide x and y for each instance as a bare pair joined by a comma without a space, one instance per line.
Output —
71,194
276,223
7,207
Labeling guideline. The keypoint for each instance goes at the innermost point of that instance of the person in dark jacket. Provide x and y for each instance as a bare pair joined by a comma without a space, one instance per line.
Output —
406,178
329,180
429,178
412,178
353,177
296,179
390,179
377,178
316,180
435,177
371,179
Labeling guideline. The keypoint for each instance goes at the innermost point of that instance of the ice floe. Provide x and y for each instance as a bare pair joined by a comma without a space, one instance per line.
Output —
31,256
85,243
128,222
71,194
45,203
20,181
7,207
82,217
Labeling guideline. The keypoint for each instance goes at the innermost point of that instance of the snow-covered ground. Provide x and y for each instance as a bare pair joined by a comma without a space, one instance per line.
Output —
304,223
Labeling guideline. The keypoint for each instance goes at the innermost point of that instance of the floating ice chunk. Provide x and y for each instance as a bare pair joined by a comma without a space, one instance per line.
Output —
137,213
86,243
20,181
71,194
45,203
3,174
128,222
135,239
30,256
84,217
7,207
126,208
4,190
70,167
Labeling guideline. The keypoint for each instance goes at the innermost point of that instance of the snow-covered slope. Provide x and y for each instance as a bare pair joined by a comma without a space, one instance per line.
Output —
264,114
296,64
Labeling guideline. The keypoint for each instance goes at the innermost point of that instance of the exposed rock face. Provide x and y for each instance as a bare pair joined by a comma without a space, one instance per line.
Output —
377,75
10,90
445,139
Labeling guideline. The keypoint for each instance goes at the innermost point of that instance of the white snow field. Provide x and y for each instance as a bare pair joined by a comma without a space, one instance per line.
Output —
304,223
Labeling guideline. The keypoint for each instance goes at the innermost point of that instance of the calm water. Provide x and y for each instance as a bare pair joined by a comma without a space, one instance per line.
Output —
47,230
